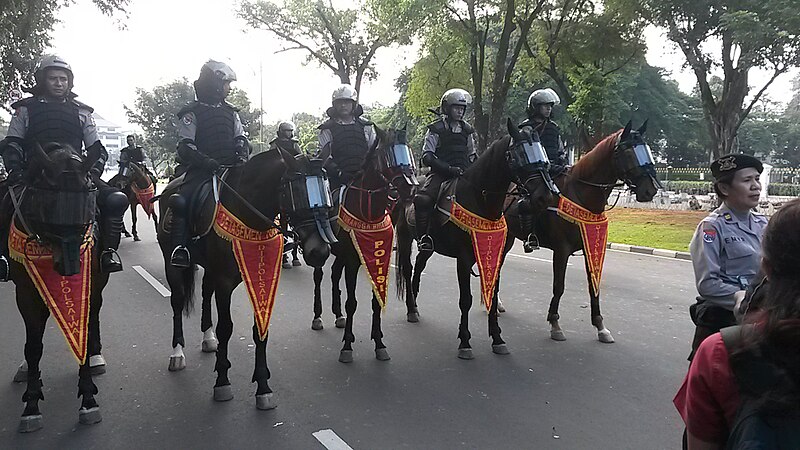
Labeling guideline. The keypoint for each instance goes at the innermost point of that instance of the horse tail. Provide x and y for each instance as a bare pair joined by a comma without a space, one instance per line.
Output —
402,261
187,285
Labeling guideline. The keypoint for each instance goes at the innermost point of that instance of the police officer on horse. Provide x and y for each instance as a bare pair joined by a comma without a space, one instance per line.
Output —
286,139
132,153
211,136
448,149
345,138
52,114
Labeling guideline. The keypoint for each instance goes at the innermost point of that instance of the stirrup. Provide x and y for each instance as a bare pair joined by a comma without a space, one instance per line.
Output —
531,243
5,269
180,257
425,243
110,261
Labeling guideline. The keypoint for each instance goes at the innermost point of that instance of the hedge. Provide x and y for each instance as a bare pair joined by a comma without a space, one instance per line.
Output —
705,187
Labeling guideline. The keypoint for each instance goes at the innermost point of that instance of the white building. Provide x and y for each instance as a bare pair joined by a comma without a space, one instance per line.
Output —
112,136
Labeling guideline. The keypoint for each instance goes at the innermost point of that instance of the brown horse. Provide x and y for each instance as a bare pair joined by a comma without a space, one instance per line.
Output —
135,175
481,190
251,192
623,155
60,174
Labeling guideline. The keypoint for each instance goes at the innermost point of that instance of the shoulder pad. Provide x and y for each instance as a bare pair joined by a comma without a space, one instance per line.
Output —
82,105
437,126
188,108
230,105
326,125
467,128
363,121
23,102
554,125
526,123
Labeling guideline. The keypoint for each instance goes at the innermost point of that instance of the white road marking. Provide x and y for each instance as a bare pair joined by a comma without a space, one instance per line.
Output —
331,440
152,280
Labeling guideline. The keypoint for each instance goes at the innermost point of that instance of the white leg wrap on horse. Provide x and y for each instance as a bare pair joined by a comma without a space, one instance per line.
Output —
177,351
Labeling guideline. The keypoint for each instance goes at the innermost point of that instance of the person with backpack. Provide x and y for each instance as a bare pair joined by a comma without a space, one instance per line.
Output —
743,386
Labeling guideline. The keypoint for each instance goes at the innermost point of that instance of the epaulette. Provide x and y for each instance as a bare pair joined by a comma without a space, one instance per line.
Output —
326,125
82,105
467,127
231,106
23,102
436,126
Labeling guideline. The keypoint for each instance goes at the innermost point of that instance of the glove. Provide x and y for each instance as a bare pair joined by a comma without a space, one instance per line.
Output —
455,171
211,165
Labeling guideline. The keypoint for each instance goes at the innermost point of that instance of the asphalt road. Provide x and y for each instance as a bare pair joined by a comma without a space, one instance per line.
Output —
577,394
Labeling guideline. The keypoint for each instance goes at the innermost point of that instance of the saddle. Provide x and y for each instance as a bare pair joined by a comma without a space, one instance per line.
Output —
443,205
200,208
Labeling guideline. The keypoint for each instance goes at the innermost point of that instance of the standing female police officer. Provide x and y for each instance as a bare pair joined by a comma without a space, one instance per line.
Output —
726,248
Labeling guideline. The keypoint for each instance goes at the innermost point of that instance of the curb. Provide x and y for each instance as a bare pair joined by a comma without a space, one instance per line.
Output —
650,251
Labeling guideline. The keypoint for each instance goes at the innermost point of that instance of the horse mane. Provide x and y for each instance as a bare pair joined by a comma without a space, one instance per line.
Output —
593,159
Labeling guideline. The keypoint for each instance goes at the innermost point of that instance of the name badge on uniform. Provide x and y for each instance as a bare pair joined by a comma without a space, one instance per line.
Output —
709,235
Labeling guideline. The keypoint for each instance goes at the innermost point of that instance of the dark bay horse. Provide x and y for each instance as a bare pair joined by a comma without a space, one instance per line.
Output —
482,190
60,174
251,192
623,155
135,175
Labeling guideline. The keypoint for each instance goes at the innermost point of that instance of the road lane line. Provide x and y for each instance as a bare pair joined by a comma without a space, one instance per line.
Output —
331,440
152,280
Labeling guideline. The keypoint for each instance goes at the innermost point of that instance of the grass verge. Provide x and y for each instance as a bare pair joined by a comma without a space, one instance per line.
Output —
671,230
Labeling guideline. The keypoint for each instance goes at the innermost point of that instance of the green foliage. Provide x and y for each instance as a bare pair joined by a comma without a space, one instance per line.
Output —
25,28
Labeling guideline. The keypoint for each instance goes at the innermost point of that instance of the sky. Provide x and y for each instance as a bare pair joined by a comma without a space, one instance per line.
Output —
167,39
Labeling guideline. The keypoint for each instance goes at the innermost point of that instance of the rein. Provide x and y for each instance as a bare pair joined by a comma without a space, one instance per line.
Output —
270,223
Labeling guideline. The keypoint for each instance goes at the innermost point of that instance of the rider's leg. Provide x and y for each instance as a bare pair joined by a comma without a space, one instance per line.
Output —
6,215
180,255
527,220
423,207
113,205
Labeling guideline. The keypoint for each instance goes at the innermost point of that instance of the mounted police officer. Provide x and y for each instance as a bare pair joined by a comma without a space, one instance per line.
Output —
540,111
131,153
52,114
345,138
726,247
286,139
448,149
210,136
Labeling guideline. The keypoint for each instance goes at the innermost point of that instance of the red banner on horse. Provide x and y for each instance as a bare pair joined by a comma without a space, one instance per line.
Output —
258,255
374,246
67,298
144,196
488,240
594,231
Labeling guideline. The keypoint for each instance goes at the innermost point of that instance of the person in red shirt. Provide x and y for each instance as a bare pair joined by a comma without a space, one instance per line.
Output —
709,397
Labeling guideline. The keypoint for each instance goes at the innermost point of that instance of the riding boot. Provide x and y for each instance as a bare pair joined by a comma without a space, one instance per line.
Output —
112,208
180,257
526,222
425,242
6,216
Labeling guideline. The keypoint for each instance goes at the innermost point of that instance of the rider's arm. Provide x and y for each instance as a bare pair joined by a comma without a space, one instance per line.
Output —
92,141
240,142
324,151
369,133
187,149
11,148
471,152
429,157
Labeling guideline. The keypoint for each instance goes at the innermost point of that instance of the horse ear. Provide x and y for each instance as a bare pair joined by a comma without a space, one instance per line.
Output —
643,129
40,155
512,129
627,131
380,133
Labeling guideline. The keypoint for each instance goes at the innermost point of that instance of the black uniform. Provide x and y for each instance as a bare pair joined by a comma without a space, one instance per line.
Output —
550,138
349,145
290,146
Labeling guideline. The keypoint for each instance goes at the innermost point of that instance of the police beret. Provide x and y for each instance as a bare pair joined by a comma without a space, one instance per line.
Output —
733,162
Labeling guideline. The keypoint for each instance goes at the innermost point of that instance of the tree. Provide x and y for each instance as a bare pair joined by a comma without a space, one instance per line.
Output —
156,113
743,34
343,40
25,28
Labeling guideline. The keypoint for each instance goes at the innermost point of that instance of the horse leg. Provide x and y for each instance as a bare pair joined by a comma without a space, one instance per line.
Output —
222,388
377,334
498,344
261,375
295,260
464,269
419,266
316,323
404,242
350,277
336,294
177,360
603,334
89,413
210,342
35,314
133,222
560,258
97,364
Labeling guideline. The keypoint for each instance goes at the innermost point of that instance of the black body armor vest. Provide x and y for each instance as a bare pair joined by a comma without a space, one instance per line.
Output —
452,147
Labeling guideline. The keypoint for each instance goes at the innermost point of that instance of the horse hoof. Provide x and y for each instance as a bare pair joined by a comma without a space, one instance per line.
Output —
223,393
605,336
500,349
340,322
465,353
177,363
97,365
266,401
382,354
22,373
316,324
136,239
30,424
500,307
346,356
412,317
210,345
557,335
286,265
89,416
297,263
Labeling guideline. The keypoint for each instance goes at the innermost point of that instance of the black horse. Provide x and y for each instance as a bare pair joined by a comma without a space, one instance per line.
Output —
251,193
135,175
481,190
623,155
58,186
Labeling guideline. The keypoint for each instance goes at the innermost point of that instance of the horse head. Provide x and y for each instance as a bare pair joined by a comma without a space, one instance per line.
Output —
529,165
306,201
399,166
634,163
60,201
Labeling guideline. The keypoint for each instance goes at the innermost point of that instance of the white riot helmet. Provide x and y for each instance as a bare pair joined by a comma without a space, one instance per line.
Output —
52,62
220,70
344,92
285,127
543,96
454,97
